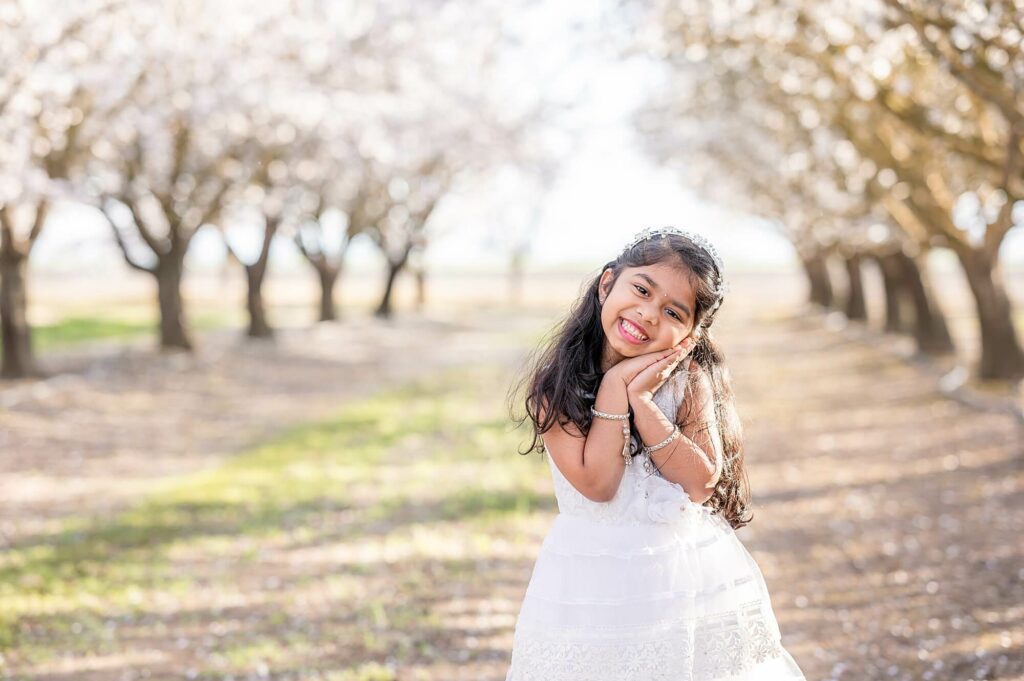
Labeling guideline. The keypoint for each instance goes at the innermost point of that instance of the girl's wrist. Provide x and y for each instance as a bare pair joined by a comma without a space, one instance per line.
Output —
617,378
640,398
612,393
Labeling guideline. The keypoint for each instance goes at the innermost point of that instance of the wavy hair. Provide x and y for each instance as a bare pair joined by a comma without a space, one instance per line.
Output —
565,371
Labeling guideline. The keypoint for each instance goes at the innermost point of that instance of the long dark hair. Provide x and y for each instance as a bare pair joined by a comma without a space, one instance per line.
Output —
565,371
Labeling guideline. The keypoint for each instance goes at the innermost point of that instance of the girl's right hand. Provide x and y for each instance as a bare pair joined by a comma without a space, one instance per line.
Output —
628,369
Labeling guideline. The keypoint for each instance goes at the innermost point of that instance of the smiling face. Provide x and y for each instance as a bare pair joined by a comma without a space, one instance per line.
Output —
647,309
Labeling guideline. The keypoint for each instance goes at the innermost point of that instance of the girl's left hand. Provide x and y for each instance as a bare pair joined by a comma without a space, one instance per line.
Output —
653,377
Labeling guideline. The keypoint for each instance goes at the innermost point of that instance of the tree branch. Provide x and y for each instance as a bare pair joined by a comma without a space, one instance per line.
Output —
995,232
42,209
123,246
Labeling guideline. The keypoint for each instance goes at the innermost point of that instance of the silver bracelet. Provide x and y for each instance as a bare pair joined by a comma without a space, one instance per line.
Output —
610,417
626,458
646,451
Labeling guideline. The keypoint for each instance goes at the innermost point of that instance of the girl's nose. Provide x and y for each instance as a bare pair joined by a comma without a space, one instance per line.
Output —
646,316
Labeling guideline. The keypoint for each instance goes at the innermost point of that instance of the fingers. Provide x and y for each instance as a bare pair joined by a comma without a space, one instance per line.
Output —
671,358
658,356
672,351
676,353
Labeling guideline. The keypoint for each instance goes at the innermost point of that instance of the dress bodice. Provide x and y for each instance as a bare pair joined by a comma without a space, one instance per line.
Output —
643,496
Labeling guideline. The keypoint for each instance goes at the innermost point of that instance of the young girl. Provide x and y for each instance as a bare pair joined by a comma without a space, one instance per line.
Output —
641,576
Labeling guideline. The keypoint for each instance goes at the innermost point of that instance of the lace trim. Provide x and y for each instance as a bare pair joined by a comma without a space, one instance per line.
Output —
708,648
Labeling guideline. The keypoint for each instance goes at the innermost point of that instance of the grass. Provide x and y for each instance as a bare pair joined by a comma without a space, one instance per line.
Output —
427,472
88,328
72,330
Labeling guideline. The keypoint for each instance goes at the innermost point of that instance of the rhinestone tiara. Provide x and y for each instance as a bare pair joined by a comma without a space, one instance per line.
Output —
700,240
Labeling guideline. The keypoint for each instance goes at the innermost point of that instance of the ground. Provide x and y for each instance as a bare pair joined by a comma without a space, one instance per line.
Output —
348,504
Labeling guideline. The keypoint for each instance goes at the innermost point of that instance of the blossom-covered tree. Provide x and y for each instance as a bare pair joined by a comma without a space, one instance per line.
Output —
913,104
45,98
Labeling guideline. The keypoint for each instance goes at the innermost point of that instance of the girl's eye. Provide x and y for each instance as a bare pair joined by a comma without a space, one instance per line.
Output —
673,313
644,292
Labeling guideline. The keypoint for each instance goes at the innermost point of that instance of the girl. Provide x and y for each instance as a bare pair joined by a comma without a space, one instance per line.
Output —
641,576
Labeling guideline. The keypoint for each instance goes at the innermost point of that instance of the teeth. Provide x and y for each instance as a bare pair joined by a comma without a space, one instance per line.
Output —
633,331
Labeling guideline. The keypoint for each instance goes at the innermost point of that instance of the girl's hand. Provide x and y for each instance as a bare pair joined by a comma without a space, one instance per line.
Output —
628,369
646,382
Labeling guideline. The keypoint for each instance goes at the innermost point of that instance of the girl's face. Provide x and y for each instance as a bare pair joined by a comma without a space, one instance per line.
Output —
649,308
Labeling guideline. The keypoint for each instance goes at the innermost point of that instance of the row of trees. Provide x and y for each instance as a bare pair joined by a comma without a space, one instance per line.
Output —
312,120
874,130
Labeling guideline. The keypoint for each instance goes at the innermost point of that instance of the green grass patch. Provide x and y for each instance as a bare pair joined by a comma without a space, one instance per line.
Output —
395,465
76,329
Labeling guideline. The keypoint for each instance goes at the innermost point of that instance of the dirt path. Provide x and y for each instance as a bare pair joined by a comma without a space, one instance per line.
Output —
890,516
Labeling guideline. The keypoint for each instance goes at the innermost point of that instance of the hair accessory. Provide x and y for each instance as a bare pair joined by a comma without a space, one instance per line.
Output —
699,239
627,459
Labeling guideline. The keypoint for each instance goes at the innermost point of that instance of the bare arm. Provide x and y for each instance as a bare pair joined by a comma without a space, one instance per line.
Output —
593,463
694,460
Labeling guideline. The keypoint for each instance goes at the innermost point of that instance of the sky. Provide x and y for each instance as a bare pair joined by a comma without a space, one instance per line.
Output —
606,191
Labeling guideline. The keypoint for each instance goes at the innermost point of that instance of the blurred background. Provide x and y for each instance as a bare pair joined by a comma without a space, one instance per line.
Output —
269,272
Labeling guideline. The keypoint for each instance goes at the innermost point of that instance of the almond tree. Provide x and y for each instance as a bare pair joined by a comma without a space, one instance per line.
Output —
167,163
410,201
938,133
758,157
261,210
44,100
331,211
977,90
443,121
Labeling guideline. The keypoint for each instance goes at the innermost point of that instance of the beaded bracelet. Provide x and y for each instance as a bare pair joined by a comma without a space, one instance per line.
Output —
625,430
646,451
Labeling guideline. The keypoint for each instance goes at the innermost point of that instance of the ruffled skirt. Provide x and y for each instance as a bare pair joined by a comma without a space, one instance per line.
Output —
674,601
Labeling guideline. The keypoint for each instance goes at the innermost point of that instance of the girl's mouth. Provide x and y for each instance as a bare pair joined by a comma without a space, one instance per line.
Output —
631,333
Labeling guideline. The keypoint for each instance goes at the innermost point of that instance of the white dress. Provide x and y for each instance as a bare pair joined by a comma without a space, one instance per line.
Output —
649,586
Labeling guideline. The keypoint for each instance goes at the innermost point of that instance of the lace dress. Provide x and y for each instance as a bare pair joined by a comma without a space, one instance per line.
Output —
649,586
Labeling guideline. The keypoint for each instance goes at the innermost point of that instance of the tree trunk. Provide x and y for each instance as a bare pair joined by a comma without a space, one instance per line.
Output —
1001,354
18,361
384,309
855,306
421,288
818,278
328,281
169,271
259,327
255,275
896,320
931,333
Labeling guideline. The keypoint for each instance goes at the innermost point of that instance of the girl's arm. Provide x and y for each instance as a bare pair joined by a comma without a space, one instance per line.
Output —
694,460
593,463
